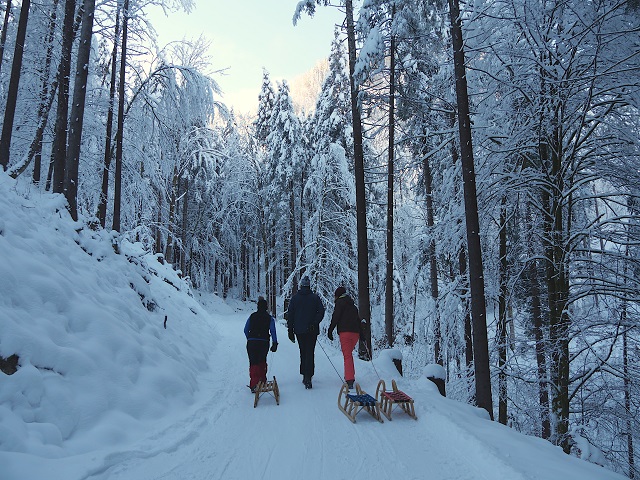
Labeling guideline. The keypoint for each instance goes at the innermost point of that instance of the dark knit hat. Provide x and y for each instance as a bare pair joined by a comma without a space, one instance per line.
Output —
262,304
340,291
305,282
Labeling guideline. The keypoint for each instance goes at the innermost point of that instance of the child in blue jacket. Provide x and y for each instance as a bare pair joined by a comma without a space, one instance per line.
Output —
257,329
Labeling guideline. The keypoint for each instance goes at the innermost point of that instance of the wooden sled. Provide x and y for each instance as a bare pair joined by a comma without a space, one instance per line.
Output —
270,387
390,399
350,404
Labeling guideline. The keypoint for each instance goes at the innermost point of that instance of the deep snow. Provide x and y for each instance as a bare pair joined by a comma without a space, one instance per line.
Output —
104,391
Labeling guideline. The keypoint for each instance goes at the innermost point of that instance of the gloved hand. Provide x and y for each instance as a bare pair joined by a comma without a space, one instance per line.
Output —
274,346
330,335
292,336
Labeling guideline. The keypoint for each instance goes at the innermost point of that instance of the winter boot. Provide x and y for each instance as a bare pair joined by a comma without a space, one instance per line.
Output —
350,384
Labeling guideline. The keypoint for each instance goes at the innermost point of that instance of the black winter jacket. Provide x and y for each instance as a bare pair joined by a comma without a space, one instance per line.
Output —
305,312
258,326
345,316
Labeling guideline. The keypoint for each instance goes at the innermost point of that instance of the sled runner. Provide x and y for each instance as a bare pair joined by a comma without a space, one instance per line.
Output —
270,387
389,399
350,404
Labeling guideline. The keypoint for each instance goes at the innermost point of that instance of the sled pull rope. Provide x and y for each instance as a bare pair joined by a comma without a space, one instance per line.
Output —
371,355
334,367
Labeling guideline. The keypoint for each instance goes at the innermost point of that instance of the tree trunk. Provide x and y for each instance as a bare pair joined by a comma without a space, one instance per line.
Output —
169,253
244,268
273,291
77,108
627,395
104,196
462,269
158,232
47,96
59,151
468,334
557,288
185,218
541,359
388,298
291,253
117,190
502,316
364,302
14,82
476,279
3,36
433,266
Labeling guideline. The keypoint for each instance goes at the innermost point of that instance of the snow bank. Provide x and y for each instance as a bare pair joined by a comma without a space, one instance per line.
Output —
435,371
87,324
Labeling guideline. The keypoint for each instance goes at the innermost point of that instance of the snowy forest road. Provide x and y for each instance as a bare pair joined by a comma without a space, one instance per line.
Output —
306,436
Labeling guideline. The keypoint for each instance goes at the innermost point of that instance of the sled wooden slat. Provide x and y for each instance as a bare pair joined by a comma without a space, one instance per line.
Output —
390,399
350,404
270,387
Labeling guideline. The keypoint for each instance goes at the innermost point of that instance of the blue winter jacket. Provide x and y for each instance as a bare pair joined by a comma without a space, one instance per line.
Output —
305,310
272,329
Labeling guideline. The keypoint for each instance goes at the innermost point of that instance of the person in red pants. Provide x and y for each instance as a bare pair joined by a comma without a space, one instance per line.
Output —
257,329
347,320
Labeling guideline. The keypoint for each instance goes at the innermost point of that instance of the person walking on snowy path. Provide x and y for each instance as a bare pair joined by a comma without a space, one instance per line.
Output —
303,321
347,320
259,324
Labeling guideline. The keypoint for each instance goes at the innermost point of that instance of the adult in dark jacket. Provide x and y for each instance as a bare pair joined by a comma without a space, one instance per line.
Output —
257,329
347,320
303,321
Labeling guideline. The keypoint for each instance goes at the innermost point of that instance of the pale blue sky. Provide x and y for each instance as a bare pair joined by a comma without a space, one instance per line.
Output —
248,35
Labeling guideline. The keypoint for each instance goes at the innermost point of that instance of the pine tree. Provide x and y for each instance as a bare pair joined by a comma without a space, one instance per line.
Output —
330,237
284,147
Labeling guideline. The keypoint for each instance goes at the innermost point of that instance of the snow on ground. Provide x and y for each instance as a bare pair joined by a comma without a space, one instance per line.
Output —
104,391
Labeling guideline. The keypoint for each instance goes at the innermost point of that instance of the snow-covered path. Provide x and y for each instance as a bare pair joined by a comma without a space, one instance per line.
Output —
307,437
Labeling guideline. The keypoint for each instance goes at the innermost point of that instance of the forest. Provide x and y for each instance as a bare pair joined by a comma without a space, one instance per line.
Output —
470,173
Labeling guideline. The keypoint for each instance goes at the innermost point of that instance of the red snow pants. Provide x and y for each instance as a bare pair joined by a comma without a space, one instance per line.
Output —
348,341
257,351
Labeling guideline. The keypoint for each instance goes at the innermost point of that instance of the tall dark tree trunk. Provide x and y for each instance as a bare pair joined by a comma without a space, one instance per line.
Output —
557,287
48,91
476,276
625,367
104,196
169,252
364,302
293,251
463,271
117,190
244,268
468,331
502,316
433,266
541,356
3,35
158,232
59,151
77,108
47,95
273,272
388,297
185,220
14,82
627,395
